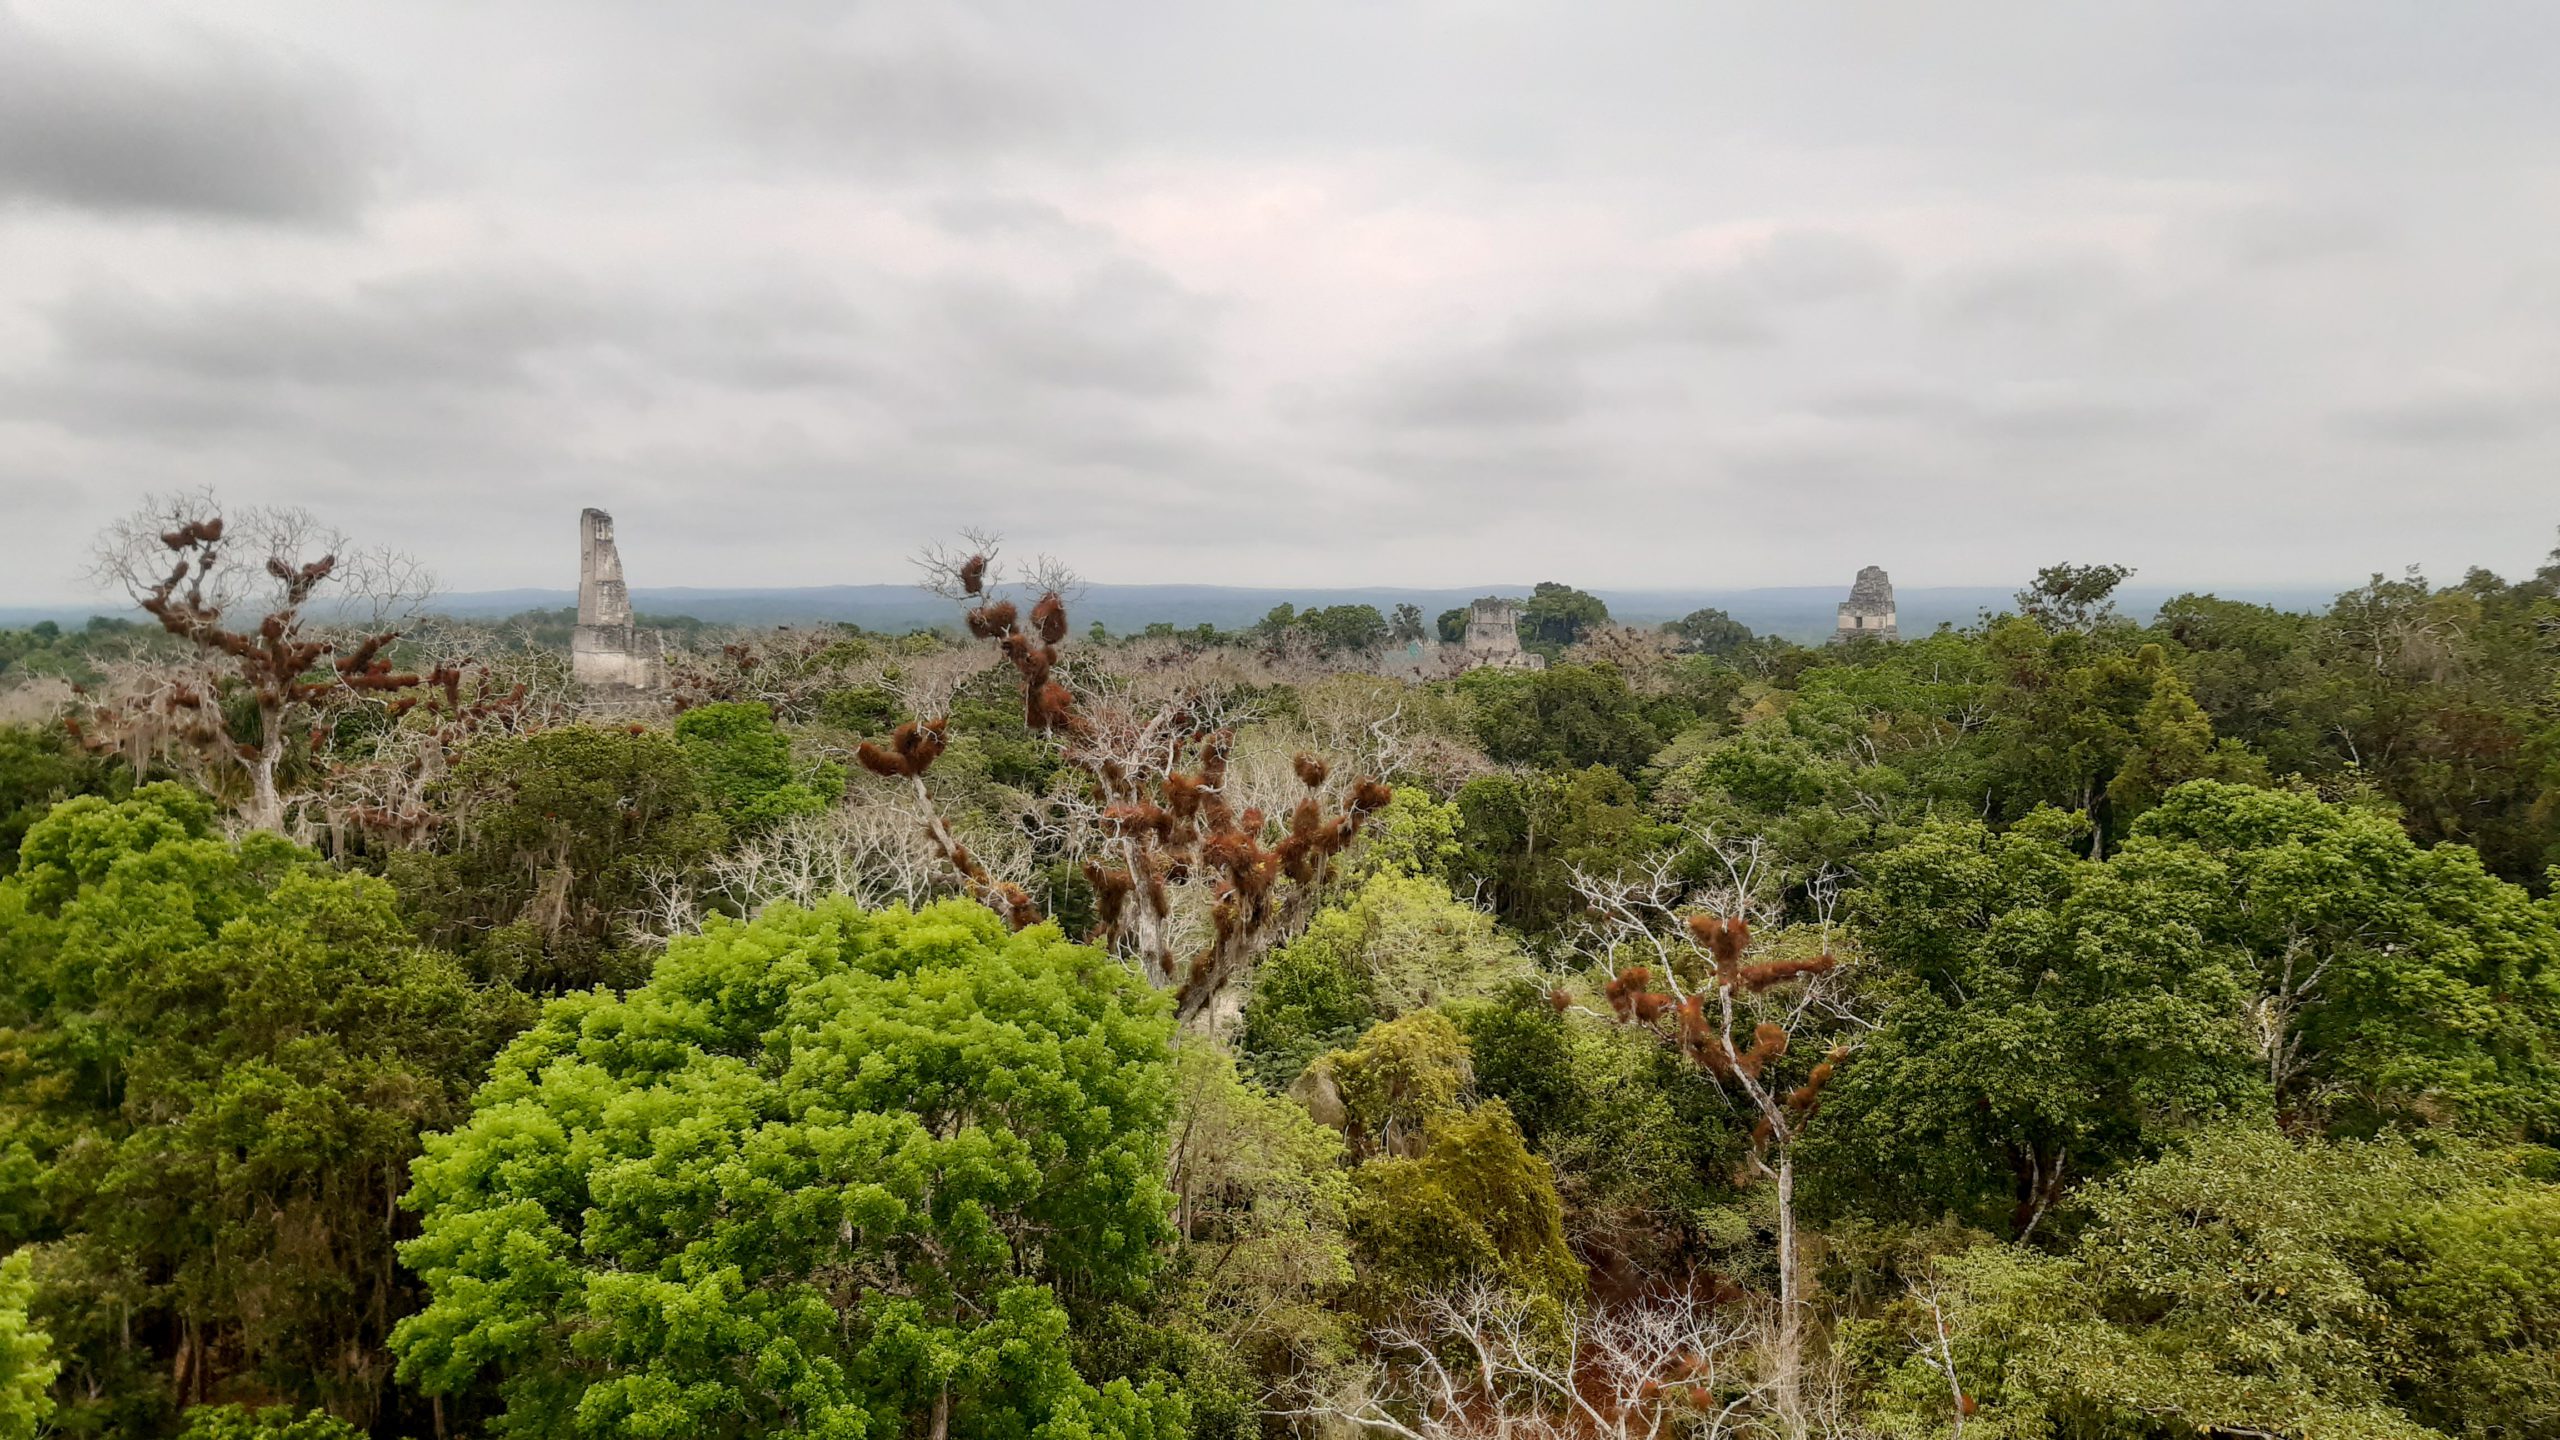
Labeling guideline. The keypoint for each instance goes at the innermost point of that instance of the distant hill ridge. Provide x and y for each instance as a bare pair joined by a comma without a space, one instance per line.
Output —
1797,612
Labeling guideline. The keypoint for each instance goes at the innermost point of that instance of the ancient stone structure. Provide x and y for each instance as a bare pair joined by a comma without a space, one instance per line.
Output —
1869,609
1492,641
607,651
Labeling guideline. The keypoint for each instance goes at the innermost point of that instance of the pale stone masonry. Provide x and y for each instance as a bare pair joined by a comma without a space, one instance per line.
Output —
607,651
1493,638
1869,609
1491,642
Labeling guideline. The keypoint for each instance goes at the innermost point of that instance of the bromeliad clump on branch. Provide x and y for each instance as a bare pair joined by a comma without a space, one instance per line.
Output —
1706,1023
183,563
911,751
1157,798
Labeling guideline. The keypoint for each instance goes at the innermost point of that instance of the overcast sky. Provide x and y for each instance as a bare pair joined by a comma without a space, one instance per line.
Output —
1400,293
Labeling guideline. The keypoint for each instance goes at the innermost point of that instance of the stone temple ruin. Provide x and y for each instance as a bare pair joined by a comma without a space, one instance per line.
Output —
1869,609
1491,642
607,652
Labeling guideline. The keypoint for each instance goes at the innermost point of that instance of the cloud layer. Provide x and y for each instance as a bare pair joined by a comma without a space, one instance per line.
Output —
1636,294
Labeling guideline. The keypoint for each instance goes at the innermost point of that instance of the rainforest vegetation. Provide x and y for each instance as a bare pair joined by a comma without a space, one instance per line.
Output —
2073,1025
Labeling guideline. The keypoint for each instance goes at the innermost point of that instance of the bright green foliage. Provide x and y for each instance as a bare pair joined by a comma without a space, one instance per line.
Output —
1524,834
1395,944
39,769
2049,1018
27,1366
2113,894
2067,598
2397,985
2444,700
1306,999
1555,616
554,840
2250,1285
2045,1019
826,1172
1846,765
861,709
1809,795
1342,627
1475,1203
745,767
276,1422
1404,1075
2237,659
2477,1286
1642,1142
1562,717
1711,632
1414,835
1260,1196
45,648
2066,711
2172,744
222,1056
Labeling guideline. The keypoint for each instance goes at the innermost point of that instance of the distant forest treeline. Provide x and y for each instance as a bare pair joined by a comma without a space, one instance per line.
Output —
1800,613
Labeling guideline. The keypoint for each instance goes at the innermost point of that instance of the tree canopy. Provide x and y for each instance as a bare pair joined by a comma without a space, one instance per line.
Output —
831,1171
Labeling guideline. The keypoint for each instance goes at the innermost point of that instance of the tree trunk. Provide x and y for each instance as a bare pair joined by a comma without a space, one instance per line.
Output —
266,807
1787,1365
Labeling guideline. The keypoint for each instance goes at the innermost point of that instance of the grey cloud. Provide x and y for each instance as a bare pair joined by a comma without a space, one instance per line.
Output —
133,360
1554,368
1799,266
2041,413
1704,310
2038,291
1122,327
1207,286
1743,304
201,125
2075,415
438,329
2458,419
1498,393
1889,402
2282,234
981,215
902,106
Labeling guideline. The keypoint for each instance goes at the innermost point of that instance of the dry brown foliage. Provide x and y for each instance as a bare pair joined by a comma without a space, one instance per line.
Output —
1160,810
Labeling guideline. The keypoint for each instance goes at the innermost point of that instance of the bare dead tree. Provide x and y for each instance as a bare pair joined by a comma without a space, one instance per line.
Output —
875,853
872,851
1162,804
787,668
1938,1350
382,791
1699,995
1479,1363
1371,722
192,569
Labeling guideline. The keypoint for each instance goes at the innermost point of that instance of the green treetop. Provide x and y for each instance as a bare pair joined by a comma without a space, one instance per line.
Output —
224,1055
829,1172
